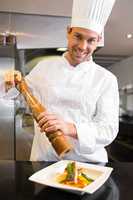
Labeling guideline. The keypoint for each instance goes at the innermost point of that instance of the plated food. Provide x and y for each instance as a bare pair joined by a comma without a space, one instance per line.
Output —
71,176
74,176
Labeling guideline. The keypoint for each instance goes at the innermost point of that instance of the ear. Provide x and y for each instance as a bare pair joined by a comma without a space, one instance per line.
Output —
69,29
99,38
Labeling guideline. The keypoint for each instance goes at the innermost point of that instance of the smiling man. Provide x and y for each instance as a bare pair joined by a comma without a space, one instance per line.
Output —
81,97
81,44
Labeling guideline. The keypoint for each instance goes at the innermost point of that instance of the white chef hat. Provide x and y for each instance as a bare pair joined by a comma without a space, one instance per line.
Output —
91,14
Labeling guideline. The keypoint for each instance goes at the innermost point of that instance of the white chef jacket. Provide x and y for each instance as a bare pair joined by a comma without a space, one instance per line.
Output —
86,95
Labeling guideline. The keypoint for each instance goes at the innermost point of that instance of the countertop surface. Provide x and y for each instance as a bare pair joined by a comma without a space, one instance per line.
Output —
14,183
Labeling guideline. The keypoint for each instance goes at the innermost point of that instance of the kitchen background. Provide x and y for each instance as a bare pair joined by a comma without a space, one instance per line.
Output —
31,31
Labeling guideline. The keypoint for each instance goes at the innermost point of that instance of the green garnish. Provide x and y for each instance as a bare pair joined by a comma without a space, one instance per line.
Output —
86,177
70,171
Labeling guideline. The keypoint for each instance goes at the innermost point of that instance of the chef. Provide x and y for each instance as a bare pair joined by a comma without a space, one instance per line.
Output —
81,97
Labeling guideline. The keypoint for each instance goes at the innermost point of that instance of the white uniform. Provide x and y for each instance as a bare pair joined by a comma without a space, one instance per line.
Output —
86,95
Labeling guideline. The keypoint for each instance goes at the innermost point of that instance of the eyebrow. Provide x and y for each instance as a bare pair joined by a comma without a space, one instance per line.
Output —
80,34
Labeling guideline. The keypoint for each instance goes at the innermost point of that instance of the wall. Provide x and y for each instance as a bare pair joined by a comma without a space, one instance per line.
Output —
124,71
41,7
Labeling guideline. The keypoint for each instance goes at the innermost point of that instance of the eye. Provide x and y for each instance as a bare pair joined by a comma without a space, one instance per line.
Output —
77,36
92,40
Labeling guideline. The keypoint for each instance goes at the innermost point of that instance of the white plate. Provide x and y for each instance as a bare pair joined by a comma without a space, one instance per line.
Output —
47,176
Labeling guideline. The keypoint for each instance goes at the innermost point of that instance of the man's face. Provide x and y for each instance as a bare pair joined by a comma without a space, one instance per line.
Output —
81,44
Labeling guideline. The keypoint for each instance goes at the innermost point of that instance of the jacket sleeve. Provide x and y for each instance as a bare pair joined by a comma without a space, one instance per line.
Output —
103,128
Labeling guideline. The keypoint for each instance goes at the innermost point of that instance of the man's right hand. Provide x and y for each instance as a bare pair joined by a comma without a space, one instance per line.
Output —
11,78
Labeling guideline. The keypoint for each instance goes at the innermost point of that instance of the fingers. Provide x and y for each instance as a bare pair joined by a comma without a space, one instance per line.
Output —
48,122
44,117
50,127
11,76
17,76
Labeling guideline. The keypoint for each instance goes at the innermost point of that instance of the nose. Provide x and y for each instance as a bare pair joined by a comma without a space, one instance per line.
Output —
83,45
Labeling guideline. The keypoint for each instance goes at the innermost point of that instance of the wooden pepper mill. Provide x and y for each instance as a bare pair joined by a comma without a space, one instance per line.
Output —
57,139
